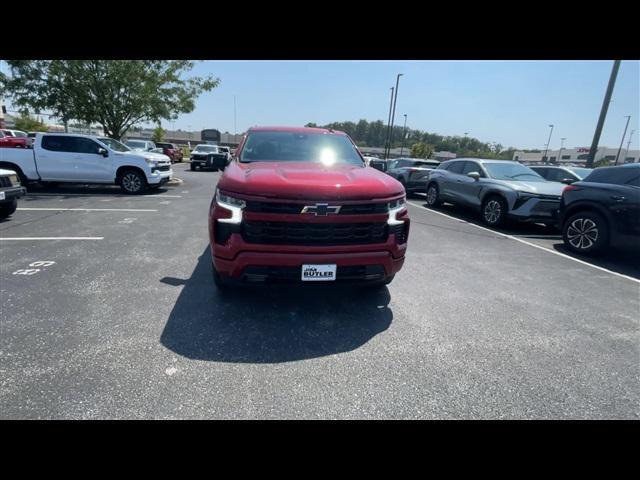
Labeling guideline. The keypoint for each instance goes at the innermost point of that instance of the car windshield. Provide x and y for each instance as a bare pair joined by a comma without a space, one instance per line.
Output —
512,171
114,145
136,144
206,148
581,172
299,147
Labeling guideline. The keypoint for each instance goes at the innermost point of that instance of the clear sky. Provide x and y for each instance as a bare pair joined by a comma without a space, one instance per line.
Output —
509,102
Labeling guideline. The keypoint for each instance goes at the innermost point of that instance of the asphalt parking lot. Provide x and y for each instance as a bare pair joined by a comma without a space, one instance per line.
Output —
109,311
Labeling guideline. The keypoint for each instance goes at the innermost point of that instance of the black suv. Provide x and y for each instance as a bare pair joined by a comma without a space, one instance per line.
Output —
602,209
10,192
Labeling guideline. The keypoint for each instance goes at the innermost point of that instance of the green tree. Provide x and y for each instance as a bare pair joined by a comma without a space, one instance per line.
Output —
421,150
113,93
27,123
158,134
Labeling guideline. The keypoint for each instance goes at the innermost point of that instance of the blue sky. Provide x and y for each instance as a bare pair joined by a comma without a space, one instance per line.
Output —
509,102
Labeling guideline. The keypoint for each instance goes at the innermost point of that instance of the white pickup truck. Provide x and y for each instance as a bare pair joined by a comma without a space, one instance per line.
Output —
71,158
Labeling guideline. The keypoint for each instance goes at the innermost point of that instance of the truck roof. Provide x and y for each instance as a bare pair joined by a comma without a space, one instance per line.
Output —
296,130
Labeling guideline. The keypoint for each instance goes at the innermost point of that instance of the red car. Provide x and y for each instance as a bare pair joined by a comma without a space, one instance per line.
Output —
171,151
9,141
299,205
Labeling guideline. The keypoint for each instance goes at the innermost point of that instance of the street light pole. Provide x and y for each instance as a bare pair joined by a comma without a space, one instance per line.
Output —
235,129
622,141
393,115
404,134
386,140
603,114
546,148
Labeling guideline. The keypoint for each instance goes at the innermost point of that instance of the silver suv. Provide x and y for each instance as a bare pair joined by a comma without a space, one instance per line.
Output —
500,189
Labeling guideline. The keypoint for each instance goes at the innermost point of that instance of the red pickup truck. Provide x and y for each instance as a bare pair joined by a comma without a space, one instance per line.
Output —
300,205
11,141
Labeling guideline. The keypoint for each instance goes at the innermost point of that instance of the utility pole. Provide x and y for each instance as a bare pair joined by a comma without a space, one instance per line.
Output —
386,140
393,115
546,148
603,114
622,141
235,129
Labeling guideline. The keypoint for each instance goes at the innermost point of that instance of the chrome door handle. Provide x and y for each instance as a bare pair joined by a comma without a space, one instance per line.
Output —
618,198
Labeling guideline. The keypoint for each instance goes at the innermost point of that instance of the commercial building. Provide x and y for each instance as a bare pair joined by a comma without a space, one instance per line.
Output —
576,156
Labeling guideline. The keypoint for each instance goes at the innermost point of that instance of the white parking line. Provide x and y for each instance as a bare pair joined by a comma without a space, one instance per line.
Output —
86,209
50,238
548,250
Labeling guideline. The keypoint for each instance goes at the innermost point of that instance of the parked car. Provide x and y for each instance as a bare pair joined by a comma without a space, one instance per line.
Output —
412,173
226,150
143,146
170,150
499,189
378,164
602,210
209,156
10,191
562,174
11,141
299,205
73,158
368,160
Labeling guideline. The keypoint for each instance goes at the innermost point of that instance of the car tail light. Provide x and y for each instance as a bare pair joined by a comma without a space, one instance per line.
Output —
569,188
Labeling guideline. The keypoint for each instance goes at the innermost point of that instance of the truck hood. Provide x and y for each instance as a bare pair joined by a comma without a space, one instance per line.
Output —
540,188
309,180
159,157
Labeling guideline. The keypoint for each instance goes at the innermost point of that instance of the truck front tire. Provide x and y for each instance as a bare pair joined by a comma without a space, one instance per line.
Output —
7,209
133,182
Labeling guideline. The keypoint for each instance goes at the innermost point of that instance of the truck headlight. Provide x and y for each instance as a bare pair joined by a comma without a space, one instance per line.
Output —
14,179
151,161
234,205
395,207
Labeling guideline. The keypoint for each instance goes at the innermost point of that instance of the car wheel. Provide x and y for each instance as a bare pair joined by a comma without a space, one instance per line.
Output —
133,182
7,209
494,211
193,167
585,232
433,195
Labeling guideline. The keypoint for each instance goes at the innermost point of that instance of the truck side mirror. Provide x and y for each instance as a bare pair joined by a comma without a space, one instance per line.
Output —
568,181
103,152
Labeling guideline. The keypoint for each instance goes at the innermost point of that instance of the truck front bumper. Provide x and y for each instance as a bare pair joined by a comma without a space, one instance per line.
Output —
160,177
12,193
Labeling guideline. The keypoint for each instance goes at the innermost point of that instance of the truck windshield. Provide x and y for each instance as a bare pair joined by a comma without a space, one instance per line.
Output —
114,145
299,147
203,148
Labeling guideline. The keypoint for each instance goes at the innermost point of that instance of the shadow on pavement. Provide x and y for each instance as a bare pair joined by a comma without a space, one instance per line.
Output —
625,261
270,324
74,189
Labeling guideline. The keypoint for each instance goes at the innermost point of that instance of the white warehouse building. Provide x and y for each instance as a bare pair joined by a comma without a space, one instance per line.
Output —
577,156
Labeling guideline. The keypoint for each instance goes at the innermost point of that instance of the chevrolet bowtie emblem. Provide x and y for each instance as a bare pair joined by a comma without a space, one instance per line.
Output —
321,209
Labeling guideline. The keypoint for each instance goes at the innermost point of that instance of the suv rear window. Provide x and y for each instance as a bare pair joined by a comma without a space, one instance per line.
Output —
264,146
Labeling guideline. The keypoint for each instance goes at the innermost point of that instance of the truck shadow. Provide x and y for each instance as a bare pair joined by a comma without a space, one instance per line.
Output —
270,324
75,189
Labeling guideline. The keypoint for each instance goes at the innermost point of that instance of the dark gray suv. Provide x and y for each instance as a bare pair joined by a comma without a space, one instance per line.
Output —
501,190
